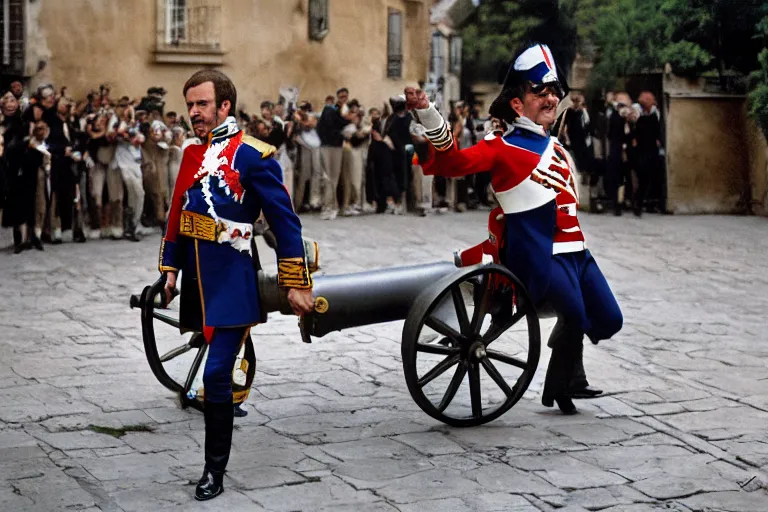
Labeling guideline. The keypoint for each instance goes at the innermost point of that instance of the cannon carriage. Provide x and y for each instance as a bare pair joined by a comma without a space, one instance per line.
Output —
470,341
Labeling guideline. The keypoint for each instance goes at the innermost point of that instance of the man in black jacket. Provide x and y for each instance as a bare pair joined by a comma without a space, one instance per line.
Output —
648,137
332,122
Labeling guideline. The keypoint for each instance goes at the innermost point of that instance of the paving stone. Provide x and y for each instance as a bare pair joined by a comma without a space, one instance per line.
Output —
54,491
374,448
11,500
503,478
80,440
428,485
150,442
728,501
430,443
521,438
754,453
329,492
375,473
153,467
505,502
265,477
736,419
666,487
566,472
498,502
603,497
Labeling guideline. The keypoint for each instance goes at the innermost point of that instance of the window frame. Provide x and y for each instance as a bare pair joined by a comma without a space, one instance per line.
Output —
172,23
455,48
395,43
318,19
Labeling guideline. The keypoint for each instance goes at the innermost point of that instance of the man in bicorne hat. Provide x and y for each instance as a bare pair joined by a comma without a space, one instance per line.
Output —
532,177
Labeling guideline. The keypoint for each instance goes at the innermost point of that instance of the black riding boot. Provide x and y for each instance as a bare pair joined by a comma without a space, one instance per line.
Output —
219,420
579,386
560,369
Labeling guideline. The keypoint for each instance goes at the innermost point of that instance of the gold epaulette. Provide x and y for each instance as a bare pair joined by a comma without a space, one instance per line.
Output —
265,149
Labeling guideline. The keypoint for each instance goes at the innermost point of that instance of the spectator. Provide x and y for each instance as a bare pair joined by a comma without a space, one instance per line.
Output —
174,156
398,129
100,151
359,135
21,182
128,161
310,168
380,179
648,144
332,122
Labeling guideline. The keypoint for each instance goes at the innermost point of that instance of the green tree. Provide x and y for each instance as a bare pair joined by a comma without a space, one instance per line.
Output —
758,96
499,28
694,36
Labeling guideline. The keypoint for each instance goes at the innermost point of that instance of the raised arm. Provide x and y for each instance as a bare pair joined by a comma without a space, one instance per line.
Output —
445,158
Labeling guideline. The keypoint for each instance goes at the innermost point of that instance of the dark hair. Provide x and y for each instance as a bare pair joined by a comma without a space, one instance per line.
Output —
172,114
330,98
267,104
501,108
343,89
222,86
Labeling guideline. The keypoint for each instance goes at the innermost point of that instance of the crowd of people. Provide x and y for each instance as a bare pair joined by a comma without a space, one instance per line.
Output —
106,168
620,153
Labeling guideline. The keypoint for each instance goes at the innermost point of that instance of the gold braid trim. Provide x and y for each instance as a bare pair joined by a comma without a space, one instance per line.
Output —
160,266
293,273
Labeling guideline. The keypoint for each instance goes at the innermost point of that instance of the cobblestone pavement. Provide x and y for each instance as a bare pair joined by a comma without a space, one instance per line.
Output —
332,426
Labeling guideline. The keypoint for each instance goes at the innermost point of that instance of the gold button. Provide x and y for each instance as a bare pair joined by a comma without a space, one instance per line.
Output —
321,305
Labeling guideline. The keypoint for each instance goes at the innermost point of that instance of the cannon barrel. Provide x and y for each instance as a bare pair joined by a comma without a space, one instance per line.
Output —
362,298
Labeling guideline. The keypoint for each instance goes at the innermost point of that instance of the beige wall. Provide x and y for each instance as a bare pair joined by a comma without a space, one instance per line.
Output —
265,42
758,168
708,163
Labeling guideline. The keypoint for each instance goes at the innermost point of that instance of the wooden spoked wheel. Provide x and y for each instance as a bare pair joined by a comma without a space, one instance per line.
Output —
471,346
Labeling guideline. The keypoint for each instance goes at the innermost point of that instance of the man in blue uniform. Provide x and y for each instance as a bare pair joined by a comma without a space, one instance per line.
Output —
224,183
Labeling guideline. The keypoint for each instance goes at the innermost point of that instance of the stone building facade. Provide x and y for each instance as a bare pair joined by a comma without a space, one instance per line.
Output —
373,47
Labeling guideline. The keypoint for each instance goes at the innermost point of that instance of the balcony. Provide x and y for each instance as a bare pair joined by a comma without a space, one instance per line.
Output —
189,32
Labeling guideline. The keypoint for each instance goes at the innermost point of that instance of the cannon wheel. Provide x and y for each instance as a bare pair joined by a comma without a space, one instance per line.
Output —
151,304
441,325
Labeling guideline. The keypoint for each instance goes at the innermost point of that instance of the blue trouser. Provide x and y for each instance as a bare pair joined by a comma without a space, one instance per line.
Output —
581,296
584,304
222,352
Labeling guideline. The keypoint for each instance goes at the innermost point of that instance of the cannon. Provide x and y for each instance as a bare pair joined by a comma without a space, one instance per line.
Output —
470,342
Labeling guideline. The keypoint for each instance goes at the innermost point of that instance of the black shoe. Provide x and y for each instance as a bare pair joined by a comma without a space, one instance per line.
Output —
37,244
219,422
638,212
17,249
564,403
46,237
209,486
57,241
132,236
240,412
584,392
78,237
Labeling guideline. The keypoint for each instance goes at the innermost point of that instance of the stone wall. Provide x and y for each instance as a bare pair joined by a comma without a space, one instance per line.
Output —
707,158
265,45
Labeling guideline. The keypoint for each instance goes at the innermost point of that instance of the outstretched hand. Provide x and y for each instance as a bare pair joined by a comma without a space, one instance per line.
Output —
415,99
